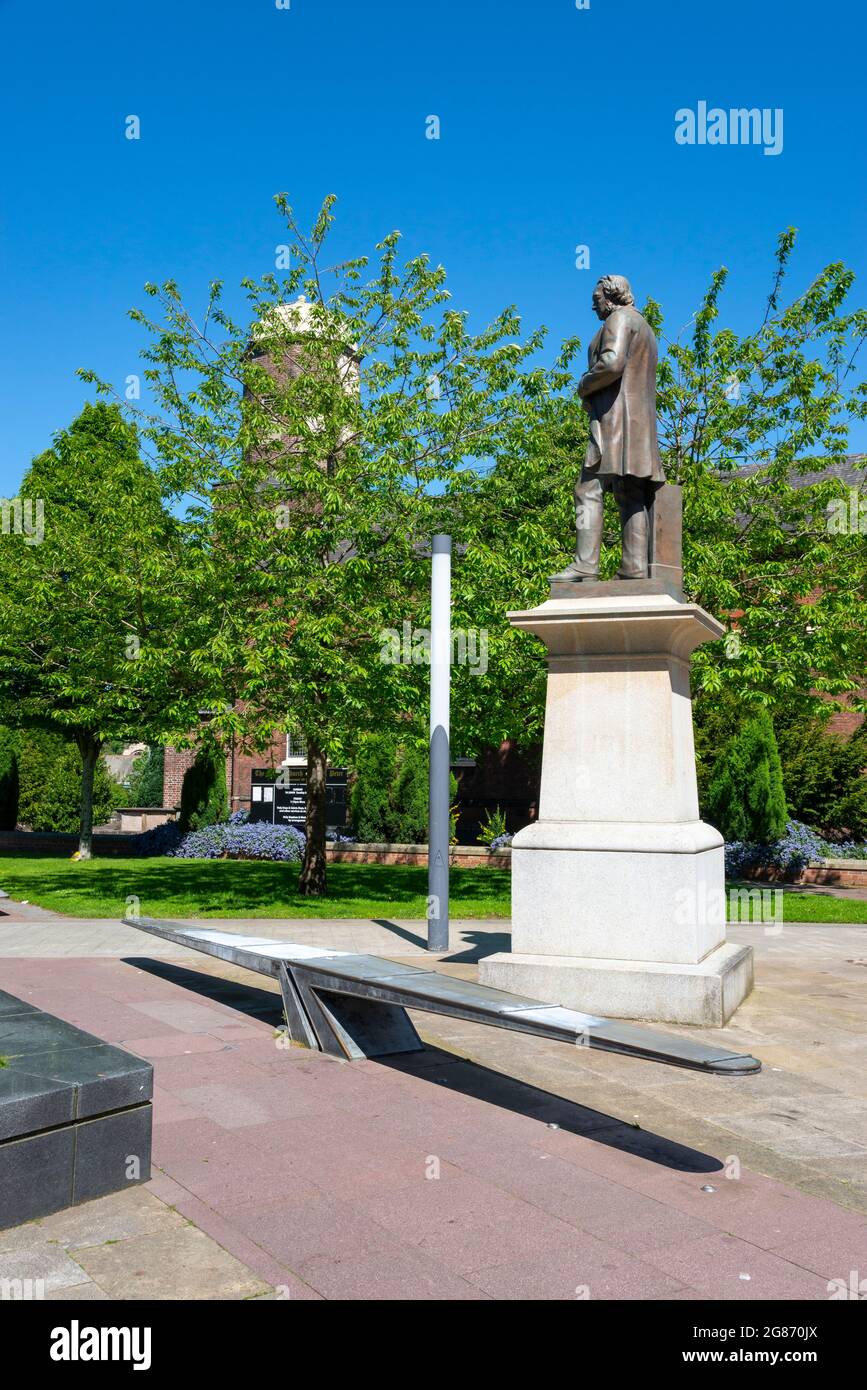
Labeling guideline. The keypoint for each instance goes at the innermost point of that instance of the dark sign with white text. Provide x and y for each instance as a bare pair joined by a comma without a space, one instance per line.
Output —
279,796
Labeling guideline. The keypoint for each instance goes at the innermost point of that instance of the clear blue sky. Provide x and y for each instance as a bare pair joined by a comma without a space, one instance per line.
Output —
557,129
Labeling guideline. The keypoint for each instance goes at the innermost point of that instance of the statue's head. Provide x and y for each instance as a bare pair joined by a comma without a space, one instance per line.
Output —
611,292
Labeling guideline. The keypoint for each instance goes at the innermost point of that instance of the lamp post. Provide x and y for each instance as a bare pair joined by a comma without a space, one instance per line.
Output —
438,801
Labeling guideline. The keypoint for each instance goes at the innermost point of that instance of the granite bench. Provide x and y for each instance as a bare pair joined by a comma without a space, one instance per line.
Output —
354,1006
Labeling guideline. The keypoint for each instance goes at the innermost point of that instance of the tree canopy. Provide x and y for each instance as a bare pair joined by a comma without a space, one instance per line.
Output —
325,439
91,616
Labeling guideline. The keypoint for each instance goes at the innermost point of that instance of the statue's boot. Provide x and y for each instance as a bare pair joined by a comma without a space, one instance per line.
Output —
573,574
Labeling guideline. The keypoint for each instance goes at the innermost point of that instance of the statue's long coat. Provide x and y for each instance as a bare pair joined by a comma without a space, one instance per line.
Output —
619,389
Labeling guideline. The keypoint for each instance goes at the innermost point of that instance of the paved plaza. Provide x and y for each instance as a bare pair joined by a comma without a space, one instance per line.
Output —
493,1166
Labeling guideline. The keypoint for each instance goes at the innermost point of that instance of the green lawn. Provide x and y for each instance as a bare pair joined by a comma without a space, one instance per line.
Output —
239,888
242,888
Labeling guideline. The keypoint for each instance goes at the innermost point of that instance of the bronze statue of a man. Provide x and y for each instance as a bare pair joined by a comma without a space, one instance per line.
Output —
618,391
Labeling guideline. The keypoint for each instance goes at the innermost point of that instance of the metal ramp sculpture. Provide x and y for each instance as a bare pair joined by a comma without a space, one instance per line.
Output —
354,1006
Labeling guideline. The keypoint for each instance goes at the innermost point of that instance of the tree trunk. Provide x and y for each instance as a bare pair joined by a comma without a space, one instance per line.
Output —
313,879
89,748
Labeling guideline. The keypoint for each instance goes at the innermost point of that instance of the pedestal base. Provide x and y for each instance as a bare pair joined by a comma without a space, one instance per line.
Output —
625,891
656,991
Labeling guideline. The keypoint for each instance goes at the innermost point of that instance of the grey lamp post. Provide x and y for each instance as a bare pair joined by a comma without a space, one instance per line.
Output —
438,803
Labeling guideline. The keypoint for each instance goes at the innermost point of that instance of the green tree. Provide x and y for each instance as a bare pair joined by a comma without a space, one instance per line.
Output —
389,798
92,616
409,795
745,798
9,778
328,439
369,797
204,794
50,794
752,427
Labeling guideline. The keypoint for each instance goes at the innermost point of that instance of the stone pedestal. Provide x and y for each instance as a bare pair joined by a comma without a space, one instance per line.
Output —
618,890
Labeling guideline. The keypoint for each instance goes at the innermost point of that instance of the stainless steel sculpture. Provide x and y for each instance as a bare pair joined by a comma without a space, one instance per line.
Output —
354,1006
618,391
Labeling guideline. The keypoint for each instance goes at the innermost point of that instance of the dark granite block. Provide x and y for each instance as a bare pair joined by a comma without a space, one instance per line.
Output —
36,1175
29,1103
22,1034
106,1078
9,1005
73,1111
103,1151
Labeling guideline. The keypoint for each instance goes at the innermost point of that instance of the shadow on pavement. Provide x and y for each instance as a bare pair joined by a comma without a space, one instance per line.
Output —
263,1004
483,943
400,931
472,1079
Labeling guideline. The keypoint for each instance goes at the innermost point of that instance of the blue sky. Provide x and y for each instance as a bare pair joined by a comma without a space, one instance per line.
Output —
557,129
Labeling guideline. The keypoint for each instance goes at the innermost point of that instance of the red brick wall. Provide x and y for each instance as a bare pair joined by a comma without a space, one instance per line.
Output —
846,722
176,764
239,767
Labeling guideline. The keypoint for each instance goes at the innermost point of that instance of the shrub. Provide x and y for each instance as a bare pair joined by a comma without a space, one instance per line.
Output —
824,776
163,839
49,769
120,796
408,795
799,845
243,840
9,784
389,796
501,842
493,827
369,801
204,794
845,849
146,778
745,798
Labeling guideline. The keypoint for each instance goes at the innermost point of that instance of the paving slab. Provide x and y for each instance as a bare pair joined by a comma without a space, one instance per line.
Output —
116,1217
563,1174
46,1267
181,1263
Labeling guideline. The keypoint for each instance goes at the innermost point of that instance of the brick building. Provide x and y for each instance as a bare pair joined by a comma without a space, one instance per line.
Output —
284,752
506,777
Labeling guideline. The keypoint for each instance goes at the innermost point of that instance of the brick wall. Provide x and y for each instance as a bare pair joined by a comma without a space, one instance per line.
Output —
239,769
177,762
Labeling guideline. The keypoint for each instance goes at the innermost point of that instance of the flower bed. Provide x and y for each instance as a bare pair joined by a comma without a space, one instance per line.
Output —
800,851
239,838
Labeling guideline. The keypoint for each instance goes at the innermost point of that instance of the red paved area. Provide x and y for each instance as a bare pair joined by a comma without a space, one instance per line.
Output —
427,1177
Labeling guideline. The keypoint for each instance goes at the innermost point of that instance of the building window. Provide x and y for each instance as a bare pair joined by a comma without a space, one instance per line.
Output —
296,749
